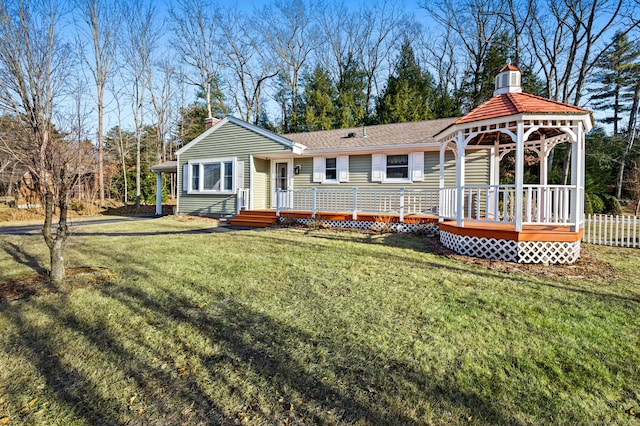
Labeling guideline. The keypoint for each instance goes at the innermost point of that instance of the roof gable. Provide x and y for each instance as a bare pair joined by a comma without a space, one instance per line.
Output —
295,147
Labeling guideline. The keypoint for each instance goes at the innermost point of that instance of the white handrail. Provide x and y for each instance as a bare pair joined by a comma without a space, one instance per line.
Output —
356,200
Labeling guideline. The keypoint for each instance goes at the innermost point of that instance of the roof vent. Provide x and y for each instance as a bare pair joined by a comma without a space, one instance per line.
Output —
351,135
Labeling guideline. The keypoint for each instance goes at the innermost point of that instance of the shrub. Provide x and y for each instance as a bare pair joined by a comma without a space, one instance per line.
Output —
588,207
597,204
612,205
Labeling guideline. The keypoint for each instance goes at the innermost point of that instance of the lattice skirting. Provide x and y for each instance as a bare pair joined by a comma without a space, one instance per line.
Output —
427,228
512,251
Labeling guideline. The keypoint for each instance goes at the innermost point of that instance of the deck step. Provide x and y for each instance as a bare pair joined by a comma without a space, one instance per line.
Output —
254,219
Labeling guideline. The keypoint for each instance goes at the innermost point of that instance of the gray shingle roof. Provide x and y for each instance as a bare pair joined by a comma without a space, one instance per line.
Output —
377,136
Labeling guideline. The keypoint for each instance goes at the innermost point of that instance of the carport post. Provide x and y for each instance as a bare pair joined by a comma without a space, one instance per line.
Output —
158,194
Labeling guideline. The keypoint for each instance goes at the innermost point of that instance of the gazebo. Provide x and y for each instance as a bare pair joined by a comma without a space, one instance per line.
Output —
518,222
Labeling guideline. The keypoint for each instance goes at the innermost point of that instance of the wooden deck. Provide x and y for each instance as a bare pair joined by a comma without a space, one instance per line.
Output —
501,231
363,217
504,231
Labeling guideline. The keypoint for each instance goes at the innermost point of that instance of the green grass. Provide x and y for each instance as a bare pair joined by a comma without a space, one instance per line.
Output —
295,327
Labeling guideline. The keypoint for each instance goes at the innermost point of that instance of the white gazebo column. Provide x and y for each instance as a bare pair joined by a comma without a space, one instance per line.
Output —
544,161
519,194
158,193
461,145
576,179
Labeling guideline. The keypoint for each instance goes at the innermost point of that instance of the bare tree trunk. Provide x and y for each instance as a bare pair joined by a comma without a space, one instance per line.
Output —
631,136
57,242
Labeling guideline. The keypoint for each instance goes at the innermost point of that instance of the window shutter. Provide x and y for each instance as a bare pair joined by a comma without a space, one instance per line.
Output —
343,168
417,166
318,169
185,177
239,174
376,167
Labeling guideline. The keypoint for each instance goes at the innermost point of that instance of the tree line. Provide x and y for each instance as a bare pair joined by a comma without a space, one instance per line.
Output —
66,68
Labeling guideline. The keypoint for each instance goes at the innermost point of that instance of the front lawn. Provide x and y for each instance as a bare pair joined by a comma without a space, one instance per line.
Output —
310,327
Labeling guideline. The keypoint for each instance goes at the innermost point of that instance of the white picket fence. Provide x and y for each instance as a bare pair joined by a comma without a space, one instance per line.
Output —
622,231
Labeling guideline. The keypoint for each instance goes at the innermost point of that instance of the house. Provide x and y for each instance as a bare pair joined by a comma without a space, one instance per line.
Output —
446,171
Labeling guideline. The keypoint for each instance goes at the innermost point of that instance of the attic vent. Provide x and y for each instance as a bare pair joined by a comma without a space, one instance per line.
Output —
351,135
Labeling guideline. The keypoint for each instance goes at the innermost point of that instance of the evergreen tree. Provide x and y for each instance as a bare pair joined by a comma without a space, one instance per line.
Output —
191,124
409,93
617,71
318,99
445,104
351,103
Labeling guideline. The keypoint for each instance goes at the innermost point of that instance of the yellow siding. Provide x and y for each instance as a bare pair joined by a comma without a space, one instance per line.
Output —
260,183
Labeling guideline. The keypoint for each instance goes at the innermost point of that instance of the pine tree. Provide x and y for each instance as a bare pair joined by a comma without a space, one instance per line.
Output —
409,94
351,102
317,98
616,73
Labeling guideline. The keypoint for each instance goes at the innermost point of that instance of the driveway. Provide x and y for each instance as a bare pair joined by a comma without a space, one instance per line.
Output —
36,228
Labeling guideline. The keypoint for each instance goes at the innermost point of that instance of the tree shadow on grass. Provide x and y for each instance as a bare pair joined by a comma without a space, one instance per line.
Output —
290,363
23,257
253,368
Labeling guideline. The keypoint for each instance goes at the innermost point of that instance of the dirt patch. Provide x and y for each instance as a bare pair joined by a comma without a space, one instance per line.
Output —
195,219
587,267
37,284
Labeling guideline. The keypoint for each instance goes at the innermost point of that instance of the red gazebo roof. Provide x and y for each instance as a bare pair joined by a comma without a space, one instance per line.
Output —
517,103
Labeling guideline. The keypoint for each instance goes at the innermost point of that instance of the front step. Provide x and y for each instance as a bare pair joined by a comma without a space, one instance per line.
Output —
254,219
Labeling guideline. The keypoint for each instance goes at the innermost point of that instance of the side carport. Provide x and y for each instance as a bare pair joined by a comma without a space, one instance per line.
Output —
171,167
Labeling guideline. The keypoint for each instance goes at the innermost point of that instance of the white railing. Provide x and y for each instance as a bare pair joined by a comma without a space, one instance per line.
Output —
623,231
541,204
448,203
242,201
354,201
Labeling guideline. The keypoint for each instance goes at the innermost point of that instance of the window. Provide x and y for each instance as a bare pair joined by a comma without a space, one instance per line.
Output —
330,170
212,176
195,177
398,166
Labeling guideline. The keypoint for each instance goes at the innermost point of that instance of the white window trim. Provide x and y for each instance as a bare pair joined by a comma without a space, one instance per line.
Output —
415,167
320,165
201,163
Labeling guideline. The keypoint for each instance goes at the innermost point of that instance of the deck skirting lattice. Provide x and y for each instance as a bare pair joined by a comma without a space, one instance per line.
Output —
428,228
512,251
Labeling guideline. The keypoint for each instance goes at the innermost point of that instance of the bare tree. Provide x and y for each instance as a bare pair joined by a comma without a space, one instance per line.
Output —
139,43
382,25
568,35
341,28
248,67
439,52
33,71
195,31
160,92
101,20
291,33
475,24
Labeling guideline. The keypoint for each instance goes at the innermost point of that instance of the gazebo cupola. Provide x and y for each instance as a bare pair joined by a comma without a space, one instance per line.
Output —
508,80
529,222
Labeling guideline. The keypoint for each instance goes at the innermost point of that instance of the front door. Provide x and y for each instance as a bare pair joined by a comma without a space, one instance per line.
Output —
282,173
